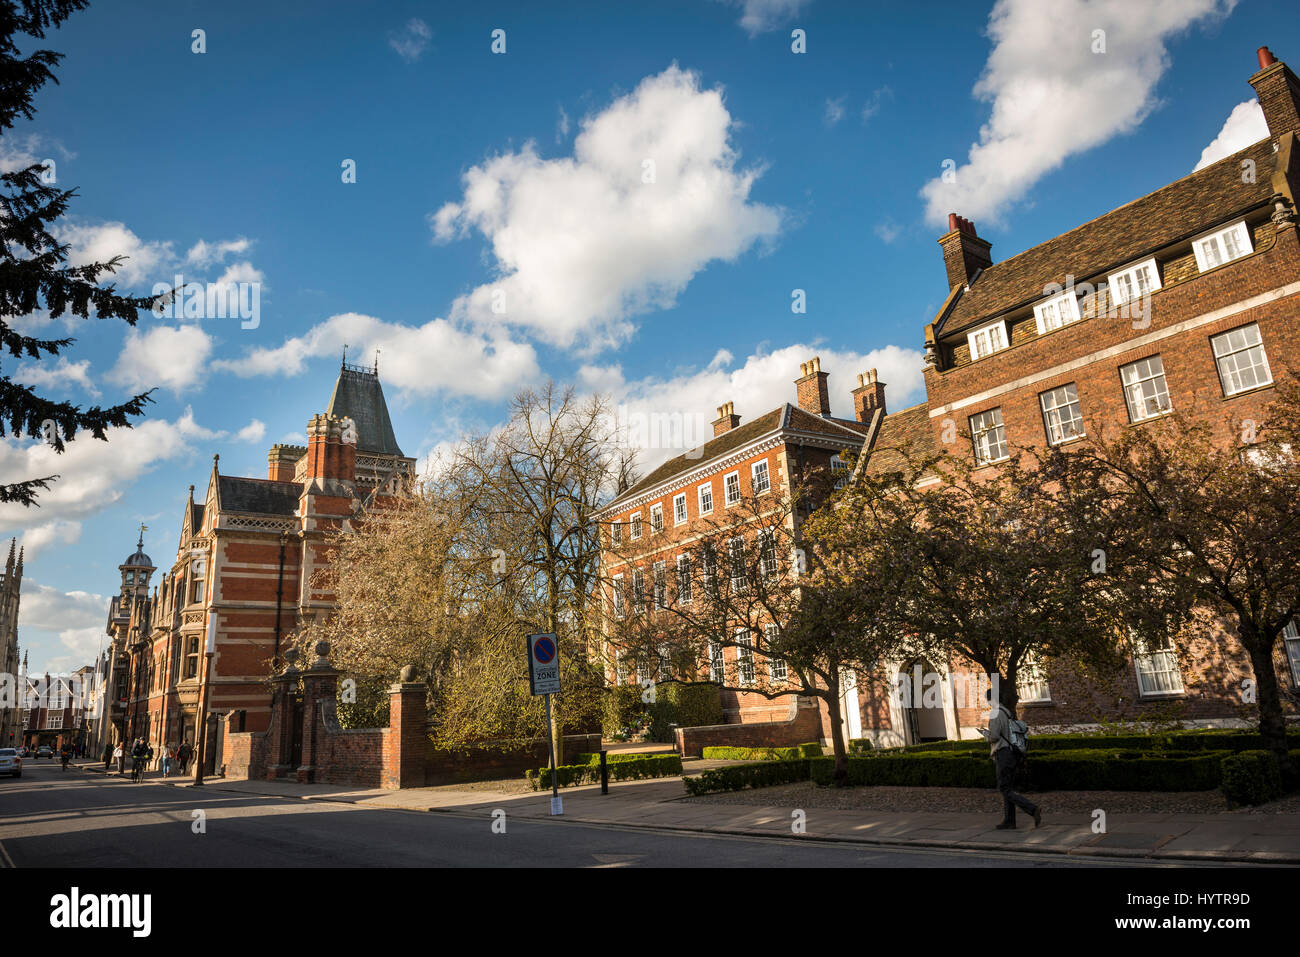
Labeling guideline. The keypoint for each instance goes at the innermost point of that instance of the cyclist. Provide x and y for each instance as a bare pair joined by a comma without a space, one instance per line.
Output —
139,756
65,756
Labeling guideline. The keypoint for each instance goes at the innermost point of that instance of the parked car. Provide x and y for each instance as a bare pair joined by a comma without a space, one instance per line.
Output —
45,751
24,752
10,762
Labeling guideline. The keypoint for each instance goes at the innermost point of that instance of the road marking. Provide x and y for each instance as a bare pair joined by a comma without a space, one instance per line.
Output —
5,859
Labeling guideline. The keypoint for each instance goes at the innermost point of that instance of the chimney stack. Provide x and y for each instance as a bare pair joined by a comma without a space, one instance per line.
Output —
868,396
964,253
726,420
282,462
329,457
1279,93
811,389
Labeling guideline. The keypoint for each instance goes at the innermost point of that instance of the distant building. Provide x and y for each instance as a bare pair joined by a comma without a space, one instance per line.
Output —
11,722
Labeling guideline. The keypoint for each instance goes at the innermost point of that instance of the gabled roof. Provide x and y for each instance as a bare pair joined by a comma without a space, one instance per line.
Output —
261,496
787,418
1177,212
902,434
359,396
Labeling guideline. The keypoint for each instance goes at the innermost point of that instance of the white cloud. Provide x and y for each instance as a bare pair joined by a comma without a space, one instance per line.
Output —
253,433
1245,125
21,150
759,16
173,358
35,540
50,609
60,375
583,243
204,253
101,242
438,356
562,126
1053,97
887,232
410,41
94,475
834,110
666,416
877,100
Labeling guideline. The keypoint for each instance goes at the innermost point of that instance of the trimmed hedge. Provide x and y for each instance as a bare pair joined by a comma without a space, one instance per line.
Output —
1253,777
571,775
1076,770
618,756
861,745
812,750
741,776
1177,741
687,705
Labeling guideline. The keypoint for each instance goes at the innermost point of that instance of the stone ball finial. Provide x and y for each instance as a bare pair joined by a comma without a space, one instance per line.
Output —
322,654
290,658
407,674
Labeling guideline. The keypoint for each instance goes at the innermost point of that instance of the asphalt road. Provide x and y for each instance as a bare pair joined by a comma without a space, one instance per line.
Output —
77,819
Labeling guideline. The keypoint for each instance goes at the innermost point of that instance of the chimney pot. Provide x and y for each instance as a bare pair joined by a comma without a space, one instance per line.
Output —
811,391
1266,58
726,420
964,252
868,396
1278,91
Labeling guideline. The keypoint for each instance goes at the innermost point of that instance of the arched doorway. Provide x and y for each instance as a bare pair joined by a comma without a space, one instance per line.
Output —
920,692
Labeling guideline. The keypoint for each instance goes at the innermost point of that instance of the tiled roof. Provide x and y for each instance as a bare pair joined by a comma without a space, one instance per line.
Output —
258,495
903,434
787,417
1177,212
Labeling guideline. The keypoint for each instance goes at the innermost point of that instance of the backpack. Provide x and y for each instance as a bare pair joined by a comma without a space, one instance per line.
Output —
1019,737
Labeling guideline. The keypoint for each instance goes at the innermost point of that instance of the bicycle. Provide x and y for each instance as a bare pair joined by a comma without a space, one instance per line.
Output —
137,770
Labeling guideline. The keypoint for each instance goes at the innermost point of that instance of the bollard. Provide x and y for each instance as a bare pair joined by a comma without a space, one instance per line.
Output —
604,773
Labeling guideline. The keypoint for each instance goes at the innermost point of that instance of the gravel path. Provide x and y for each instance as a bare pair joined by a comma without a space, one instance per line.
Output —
978,800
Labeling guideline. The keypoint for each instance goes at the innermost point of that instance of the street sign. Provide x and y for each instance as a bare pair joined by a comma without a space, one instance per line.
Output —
543,664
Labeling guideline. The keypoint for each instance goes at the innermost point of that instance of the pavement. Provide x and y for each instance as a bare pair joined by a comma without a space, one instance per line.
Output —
1226,838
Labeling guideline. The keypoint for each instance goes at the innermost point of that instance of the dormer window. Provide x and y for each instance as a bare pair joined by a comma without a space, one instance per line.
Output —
1057,312
987,340
1222,246
1133,283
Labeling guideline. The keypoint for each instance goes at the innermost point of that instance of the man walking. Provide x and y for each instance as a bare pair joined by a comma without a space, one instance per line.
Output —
1007,758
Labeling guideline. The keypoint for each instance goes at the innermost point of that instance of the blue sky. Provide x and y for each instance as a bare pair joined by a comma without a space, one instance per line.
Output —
523,173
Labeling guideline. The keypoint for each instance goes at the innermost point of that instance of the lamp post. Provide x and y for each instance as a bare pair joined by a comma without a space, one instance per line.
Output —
201,732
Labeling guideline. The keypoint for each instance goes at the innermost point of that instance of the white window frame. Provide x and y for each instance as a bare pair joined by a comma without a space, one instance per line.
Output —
767,549
705,490
656,519
1291,645
1157,667
659,583
717,666
1247,349
739,583
756,470
615,534
839,471
1234,234
1058,312
54,720
1119,282
684,578
727,499
1031,681
985,346
976,437
1134,388
777,668
679,509
634,526
638,591
620,667
746,673
1052,419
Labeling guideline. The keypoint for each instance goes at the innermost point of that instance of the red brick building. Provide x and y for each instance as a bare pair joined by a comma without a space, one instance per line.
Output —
1187,298
654,529
243,575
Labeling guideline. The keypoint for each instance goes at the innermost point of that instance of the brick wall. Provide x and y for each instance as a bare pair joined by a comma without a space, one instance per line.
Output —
805,726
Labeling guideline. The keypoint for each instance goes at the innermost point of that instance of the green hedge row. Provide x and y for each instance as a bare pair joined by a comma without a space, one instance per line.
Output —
812,750
738,777
1254,777
860,745
613,757
1075,770
570,775
1178,741
687,705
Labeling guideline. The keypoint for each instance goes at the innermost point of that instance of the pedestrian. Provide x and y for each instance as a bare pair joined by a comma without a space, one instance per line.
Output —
1006,737
183,753
119,756
167,761
108,756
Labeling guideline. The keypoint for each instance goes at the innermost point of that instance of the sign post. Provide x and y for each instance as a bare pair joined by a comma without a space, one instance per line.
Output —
544,679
